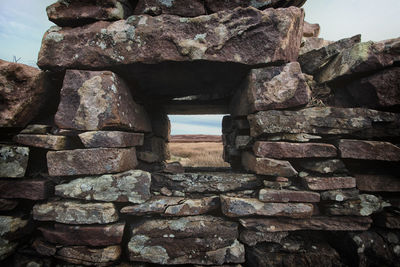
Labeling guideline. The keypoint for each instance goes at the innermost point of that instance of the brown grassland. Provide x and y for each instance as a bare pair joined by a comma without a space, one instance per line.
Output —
203,154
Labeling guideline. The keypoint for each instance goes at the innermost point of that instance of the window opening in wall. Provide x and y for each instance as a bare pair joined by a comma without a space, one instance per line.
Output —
196,140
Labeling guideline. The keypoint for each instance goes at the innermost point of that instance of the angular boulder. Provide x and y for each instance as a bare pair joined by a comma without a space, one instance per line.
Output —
271,195
241,207
183,8
328,183
32,189
111,139
91,161
204,240
94,100
267,166
368,150
72,212
130,186
51,142
262,37
13,161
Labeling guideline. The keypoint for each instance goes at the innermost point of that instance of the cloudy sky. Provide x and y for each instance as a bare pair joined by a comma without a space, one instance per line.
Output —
23,22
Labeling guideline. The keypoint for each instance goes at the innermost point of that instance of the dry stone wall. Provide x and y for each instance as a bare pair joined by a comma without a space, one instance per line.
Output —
312,138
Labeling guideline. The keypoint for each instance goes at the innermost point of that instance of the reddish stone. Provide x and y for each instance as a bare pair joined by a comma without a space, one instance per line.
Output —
377,183
319,223
51,142
311,30
369,150
97,235
312,43
33,189
90,256
266,166
271,195
281,150
91,161
328,183
111,139
94,100
218,5
183,8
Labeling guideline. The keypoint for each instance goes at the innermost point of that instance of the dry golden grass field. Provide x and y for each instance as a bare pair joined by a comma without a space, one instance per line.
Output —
203,154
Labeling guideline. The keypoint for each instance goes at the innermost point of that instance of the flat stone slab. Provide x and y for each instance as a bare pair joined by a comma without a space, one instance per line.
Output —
328,183
94,100
111,139
368,150
32,189
252,238
324,166
377,183
13,161
174,206
281,150
271,195
183,8
218,5
51,142
204,240
96,235
267,166
319,223
215,182
130,186
73,212
340,195
91,161
263,37
89,256
241,207
326,120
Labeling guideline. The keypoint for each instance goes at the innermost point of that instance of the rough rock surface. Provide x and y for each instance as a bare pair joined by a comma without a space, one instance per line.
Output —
189,240
10,228
174,206
130,186
33,189
365,205
340,195
51,142
91,161
13,161
183,8
319,223
154,149
377,182
240,207
111,139
262,37
312,43
22,92
324,166
267,166
205,182
78,12
326,120
311,30
316,59
281,150
218,5
96,235
251,238
100,100
382,89
72,212
271,195
89,256
369,150
328,183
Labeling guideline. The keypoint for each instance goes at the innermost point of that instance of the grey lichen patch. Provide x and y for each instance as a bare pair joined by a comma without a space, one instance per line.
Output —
167,3
13,161
138,249
54,35
10,224
117,12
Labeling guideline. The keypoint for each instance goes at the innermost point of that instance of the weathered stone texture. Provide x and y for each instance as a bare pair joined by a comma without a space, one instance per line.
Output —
324,166
271,195
262,37
154,149
377,183
72,212
218,5
328,183
311,30
130,186
251,238
312,43
240,207
111,139
94,100
368,150
189,240
33,189
78,12
183,8
281,150
91,161
51,142
89,256
267,166
96,235
365,205
340,195
13,161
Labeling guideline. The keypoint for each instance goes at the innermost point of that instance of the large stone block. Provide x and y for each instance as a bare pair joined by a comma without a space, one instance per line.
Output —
130,186
241,207
78,12
111,139
33,189
368,150
183,8
94,100
91,161
377,182
328,183
13,161
243,35
282,150
267,166
272,195
72,212
326,120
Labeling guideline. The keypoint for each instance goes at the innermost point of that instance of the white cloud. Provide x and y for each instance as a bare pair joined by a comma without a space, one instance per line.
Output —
192,128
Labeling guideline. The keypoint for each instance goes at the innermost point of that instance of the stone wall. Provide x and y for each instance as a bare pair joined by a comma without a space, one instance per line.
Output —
312,137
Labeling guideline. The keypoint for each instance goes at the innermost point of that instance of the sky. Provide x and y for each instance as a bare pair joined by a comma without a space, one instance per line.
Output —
23,23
